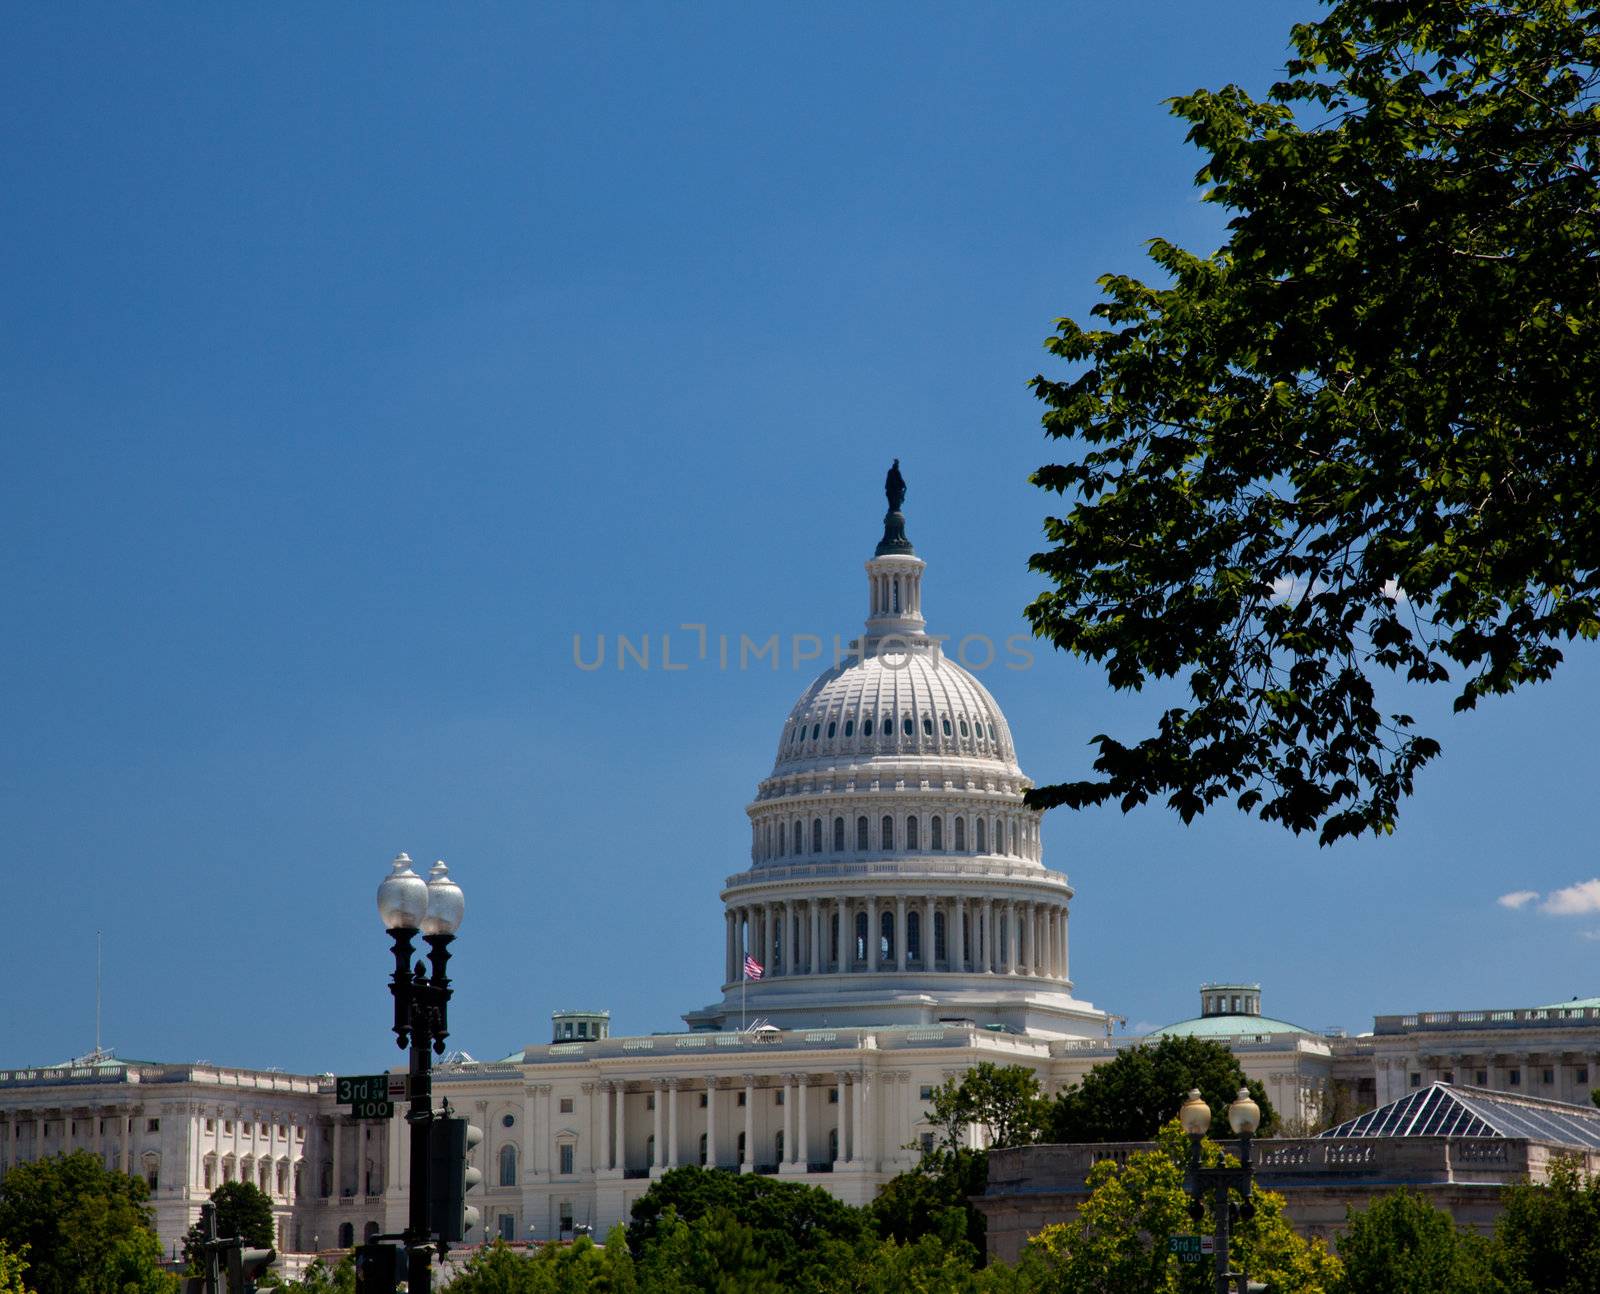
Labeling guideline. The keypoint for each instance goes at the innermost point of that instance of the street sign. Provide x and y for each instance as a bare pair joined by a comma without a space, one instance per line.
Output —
352,1089
372,1109
1192,1249
399,1087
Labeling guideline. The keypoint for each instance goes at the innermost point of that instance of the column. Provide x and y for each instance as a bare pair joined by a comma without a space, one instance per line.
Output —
957,938
843,1082
802,1153
930,946
874,936
749,1163
711,1121
730,960
817,948
770,923
622,1127
603,1158
788,1120
656,1158
867,1123
334,1129
857,1117
1010,917
988,936
672,1123
847,935
1028,965
1065,964
900,932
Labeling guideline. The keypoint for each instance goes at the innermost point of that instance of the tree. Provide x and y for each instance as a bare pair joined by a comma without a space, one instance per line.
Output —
1002,1099
785,1219
12,1265
1357,442
86,1230
244,1210
1119,1238
1130,1097
1548,1237
317,1279
1401,1244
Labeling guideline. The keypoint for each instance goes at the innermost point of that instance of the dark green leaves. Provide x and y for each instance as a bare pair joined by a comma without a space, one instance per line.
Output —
1360,438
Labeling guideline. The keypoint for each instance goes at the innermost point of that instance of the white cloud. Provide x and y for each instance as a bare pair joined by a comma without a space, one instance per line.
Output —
1573,901
1589,934
1517,898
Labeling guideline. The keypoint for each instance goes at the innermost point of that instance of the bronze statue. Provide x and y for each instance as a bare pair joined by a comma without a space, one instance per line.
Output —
894,485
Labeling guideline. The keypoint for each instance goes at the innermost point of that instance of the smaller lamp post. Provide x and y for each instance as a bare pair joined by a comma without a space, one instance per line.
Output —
1244,1117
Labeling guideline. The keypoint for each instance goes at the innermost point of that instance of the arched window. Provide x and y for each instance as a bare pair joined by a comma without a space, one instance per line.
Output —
1013,838
866,727
939,953
946,723
849,727
961,835
838,835
816,731
508,1165
782,837
862,844
978,827
886,937
911,834
905,725
816,835
914,935
799,839
936,833
347,1235
897,595
963,727
927,726
702,1150
833,727
861,936
886,830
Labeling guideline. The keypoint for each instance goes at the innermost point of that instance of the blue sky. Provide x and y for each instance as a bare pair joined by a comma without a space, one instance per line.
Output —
353,362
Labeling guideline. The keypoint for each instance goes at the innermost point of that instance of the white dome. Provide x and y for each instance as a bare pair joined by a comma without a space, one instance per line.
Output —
914,702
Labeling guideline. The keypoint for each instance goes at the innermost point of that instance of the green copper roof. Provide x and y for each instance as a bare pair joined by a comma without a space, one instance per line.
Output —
1577,1004
1227,1026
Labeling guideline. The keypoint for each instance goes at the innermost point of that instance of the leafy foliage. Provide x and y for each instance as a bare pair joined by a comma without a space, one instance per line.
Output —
1118,1240
1356,441
12,1265
1548,1238
244,1210
1003,1100
785,1218
86,1230
1130,1097
1401,1244
318,1278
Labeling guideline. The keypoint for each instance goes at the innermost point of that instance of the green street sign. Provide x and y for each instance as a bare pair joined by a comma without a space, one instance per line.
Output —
354,1089
1190,1249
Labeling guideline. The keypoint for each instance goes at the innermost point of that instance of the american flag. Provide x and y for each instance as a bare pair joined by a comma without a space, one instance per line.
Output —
752,968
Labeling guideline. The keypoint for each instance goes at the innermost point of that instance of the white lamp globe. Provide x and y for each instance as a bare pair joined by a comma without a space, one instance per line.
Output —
446,904
1195,1114
403,896
1244,1115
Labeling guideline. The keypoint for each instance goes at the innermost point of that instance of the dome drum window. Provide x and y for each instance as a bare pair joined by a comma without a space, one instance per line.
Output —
946,723
927,725
832,727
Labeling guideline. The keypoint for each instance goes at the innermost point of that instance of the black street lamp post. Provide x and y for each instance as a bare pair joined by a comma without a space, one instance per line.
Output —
1244,1117
409,905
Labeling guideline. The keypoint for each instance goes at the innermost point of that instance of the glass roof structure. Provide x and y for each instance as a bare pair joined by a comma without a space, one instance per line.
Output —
1445,1110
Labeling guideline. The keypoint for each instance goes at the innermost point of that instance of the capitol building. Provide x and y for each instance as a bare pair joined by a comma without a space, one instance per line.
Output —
905,926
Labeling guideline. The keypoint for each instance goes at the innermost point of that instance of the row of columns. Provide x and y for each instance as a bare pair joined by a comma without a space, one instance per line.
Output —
12,1124
982,935
852,1104
1005,835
